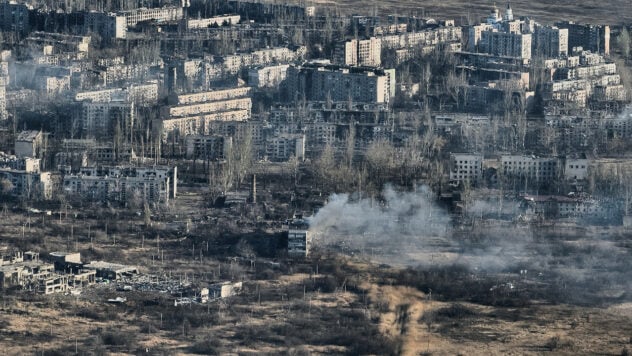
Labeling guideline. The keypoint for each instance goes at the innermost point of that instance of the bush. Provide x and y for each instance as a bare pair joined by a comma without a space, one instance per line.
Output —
206,347
117,338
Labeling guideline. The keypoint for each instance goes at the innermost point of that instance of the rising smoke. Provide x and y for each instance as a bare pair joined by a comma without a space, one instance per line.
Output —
410,229
398,215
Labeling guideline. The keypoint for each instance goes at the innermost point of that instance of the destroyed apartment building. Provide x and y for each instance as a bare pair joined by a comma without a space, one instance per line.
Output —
299,238
59,273
27,271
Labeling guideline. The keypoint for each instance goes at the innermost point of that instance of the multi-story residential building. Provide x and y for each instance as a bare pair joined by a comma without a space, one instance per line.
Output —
576,168
594,38
550,41
360,52
267,77
28,164
193,113
164,14
55,43
209,147
534,169
318,82
14,17
466,168
141,94
124,73
102,120
123,184
77,153
108,26
232,64
299,238
4,81
283,147
506,44
475,34
609,93
30,144
213,21
26,183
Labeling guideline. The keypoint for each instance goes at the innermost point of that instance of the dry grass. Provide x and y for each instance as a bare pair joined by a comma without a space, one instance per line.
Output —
533,330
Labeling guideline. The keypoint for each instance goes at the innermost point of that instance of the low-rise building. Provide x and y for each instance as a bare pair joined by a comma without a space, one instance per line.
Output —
109,270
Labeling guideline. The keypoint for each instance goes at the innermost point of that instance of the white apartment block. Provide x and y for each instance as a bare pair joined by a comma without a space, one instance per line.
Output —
504,44
466,168
193,114
234,63
425,38
267,77
285,146
54,43
28,185
214,95
209,107
213,21
535,169
320,134
164,14
123,184
124,72
360,52
52,85
198,124
138,93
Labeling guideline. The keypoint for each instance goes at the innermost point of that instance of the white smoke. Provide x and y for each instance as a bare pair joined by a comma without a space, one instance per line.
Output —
409,228
399,214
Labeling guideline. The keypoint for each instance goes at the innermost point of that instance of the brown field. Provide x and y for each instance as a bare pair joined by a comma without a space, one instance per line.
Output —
349,307
591,11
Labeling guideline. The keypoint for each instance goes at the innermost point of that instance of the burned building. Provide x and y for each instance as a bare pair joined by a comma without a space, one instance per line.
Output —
111,270
299,238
